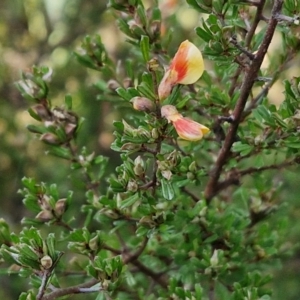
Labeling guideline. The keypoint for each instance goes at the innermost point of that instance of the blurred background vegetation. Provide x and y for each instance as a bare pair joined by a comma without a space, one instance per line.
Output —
37,32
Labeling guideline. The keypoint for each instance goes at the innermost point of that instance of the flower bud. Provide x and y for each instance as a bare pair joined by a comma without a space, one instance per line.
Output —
109,213
132,186
166,174
113,84
128,129
94,243
143,132
42,111
132,24
142,104
60,206
173,158
29,88
190,176
147,220
214,260
50,138
44,202
46,262
154,133
47,76
153,65
44,216
203,211
155,28
193,167
139,166
127,82
70,129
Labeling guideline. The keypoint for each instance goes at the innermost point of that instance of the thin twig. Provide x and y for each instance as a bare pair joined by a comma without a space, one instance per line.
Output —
257,19
234,41
185,190
233,180
249,36
70,290
63,224
158,278
43,286
131,257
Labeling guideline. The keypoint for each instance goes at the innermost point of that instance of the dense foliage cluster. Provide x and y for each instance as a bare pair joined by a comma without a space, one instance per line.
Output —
187,211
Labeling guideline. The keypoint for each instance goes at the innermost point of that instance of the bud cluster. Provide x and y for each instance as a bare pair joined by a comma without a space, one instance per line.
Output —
50,209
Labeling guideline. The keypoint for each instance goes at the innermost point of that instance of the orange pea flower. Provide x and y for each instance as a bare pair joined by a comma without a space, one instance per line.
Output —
186,128
186,68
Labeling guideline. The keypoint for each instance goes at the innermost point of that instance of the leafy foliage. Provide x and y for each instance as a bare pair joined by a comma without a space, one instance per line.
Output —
184,216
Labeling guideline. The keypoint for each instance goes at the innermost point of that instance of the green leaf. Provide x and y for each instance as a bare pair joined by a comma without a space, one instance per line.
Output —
217,5
174,95
288,89
36,129
199,6
50,242
142,231
183,102
123,93
142,15
124,27
130,200
262,113
28,252
34,115
133,92
116,186
53,191
205,36
86,61
167,189
279,120
59,151
244,149
29,183
156,14
292,142
145,47
144,89
27,296
198,291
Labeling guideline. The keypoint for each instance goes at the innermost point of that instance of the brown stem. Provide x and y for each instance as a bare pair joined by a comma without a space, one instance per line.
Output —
257,18
249,79
185,190
43,286
132,257
157,277
237,175
249,36
70,290
63,224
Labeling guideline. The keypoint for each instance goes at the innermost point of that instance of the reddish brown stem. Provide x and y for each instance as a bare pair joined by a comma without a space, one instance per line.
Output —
249,79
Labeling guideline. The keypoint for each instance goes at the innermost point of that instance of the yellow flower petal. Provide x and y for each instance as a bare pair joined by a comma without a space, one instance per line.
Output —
186,68
186,128
190,130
